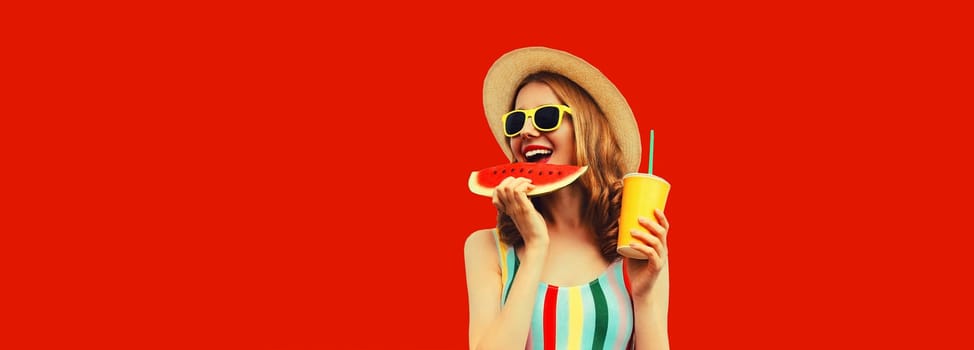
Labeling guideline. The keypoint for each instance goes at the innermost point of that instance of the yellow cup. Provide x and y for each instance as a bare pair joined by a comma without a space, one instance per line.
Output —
641,194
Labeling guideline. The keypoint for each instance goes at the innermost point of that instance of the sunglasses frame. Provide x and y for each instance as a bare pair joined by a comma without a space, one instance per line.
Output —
529,114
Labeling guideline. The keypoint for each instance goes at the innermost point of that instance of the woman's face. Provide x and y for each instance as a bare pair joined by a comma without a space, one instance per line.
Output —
556,146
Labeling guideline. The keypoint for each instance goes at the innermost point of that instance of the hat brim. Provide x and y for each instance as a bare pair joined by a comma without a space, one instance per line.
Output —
509,71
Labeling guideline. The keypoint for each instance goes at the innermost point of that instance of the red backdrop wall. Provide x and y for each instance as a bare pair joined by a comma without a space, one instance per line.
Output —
292,176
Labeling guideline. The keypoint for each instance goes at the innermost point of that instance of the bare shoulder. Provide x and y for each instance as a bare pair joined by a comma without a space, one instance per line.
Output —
480,245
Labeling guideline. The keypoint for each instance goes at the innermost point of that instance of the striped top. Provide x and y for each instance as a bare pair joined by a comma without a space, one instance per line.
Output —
596,315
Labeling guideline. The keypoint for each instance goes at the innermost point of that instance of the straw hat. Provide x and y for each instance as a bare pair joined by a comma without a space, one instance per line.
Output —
510,70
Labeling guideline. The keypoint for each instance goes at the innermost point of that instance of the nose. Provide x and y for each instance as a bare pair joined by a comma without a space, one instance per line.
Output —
528,129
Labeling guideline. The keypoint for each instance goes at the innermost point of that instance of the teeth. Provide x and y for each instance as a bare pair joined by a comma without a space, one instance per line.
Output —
535,152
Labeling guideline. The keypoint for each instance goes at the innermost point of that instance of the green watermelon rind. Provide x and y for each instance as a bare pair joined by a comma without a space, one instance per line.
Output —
488,191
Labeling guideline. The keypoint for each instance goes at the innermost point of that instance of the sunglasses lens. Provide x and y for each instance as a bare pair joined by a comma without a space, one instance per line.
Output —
546,118
514,123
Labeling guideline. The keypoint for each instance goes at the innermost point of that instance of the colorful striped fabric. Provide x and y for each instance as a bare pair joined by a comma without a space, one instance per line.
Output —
597,315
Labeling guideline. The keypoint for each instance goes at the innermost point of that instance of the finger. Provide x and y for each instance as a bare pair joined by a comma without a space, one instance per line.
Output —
519,198
519,181
505,183
502,194
653,228
662,219
495,197
498,203
514,186
652,255
508,194
523,185
647,239
656,242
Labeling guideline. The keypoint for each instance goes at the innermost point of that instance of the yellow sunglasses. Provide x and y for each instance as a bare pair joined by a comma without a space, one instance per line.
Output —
544,117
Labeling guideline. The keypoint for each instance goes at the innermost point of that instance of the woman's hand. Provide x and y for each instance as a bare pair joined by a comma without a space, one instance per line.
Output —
510,197
643,273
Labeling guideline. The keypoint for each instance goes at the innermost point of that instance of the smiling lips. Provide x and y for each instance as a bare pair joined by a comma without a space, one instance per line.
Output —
536,154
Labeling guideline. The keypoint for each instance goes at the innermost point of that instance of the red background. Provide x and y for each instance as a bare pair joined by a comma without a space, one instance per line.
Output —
292,176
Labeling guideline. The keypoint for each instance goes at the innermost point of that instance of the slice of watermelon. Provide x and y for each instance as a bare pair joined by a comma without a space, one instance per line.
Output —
545,177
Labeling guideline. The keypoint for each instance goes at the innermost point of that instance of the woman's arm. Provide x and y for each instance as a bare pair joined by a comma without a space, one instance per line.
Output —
507,327
493,326
650,315
651,285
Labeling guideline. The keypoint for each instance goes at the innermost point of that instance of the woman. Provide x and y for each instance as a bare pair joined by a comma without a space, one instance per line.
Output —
548,276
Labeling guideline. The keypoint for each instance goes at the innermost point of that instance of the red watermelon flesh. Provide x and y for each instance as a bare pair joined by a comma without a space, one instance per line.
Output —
545,177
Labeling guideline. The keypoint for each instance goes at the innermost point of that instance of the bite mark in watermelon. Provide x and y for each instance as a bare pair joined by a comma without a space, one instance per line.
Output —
545,177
